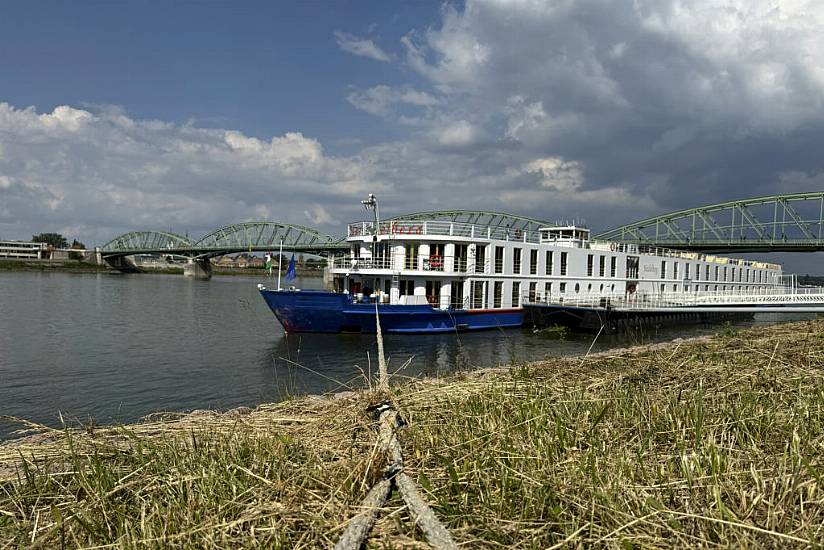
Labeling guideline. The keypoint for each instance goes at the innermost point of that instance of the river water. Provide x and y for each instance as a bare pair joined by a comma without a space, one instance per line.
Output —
115,347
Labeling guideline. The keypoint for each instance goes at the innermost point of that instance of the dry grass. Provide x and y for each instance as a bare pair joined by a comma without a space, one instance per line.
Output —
713,442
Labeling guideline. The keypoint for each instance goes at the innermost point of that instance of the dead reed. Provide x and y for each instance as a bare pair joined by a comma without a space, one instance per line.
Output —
713,442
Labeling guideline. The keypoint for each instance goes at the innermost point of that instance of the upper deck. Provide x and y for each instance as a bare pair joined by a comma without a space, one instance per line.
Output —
447,231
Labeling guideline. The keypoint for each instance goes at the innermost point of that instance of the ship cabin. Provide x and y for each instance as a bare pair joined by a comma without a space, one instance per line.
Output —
488,267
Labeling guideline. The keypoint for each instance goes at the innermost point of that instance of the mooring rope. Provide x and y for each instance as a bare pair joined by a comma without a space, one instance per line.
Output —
393,476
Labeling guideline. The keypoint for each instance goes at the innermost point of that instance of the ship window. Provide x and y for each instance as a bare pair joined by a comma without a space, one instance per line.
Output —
697,272
613,267
590,260
387,286
577,288
589,287
632,267
477,294
707,273
612,287
716,277
533,262
662,288
460,258
563,263
675,288
547,290
563,288
601,266
602,287
433,293
435,260
411,261
663,269
499,259
499,291
407,287
516,261
686,271
480,259
549,263
456,296
516,294
533,290
675,270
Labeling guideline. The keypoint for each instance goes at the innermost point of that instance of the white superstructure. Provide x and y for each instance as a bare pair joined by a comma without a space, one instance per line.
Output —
469,266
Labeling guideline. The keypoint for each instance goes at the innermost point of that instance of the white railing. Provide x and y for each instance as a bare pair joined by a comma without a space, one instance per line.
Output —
640,300
485,232
437,263
444,228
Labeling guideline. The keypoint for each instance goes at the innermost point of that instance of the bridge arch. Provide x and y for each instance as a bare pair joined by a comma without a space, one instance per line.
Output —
136,242
492,219
776,223
259,236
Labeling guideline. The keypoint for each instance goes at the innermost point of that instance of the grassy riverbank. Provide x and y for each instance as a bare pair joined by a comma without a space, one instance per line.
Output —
710,442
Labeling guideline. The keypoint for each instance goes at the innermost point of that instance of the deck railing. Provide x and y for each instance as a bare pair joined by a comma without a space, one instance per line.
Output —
436,263
640,300
403,228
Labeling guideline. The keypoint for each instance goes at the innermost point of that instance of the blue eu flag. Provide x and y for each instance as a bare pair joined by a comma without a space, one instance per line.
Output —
290,271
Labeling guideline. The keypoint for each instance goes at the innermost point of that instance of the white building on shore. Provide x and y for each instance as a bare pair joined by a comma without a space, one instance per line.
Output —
23,250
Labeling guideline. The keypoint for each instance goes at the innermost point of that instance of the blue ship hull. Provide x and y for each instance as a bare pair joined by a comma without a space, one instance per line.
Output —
321,311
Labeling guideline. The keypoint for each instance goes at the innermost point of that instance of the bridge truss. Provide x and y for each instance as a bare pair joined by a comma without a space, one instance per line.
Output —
495,220
778,223
239,237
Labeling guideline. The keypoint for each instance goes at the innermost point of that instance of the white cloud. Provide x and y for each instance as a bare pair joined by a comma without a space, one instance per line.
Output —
458,134
382,100
557,173
360,46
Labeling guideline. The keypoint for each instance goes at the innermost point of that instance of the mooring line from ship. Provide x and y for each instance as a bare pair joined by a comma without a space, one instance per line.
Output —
393,477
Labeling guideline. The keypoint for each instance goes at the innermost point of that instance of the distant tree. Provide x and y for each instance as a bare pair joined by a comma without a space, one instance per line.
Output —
54,239
77,245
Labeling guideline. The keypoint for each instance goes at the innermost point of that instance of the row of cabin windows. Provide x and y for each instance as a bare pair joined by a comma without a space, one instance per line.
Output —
435,262
720,274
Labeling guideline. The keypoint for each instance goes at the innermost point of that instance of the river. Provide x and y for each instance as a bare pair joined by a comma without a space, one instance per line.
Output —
115,347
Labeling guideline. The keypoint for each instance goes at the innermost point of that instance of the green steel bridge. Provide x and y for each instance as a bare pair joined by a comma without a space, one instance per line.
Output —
239,237
778,223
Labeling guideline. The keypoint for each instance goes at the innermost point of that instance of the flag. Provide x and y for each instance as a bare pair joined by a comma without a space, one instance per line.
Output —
290,271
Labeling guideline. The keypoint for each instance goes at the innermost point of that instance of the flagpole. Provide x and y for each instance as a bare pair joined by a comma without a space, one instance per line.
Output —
280,261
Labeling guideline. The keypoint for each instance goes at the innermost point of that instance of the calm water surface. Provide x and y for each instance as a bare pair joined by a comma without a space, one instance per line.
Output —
118,347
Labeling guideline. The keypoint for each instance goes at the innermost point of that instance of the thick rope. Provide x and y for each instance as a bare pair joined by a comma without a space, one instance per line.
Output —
358,529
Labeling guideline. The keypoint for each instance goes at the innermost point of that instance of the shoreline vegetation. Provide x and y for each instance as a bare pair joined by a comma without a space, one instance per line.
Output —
712,441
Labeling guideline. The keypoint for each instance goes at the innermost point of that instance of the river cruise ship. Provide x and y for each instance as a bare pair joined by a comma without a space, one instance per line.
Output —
432,275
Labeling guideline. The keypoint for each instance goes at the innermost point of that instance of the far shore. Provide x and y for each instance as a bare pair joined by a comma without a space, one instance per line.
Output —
78,266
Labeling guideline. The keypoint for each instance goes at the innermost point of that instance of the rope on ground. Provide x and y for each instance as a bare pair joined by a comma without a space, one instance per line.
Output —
393,476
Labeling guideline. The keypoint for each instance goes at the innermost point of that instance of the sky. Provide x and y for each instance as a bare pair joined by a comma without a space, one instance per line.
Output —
187,116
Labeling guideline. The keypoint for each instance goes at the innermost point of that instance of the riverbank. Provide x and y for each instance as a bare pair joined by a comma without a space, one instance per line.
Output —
706,442
71,266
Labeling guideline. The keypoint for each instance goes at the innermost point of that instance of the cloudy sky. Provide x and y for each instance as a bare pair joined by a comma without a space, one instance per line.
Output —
188,116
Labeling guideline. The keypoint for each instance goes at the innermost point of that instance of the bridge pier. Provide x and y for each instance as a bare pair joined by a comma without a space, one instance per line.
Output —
199,269
124,264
